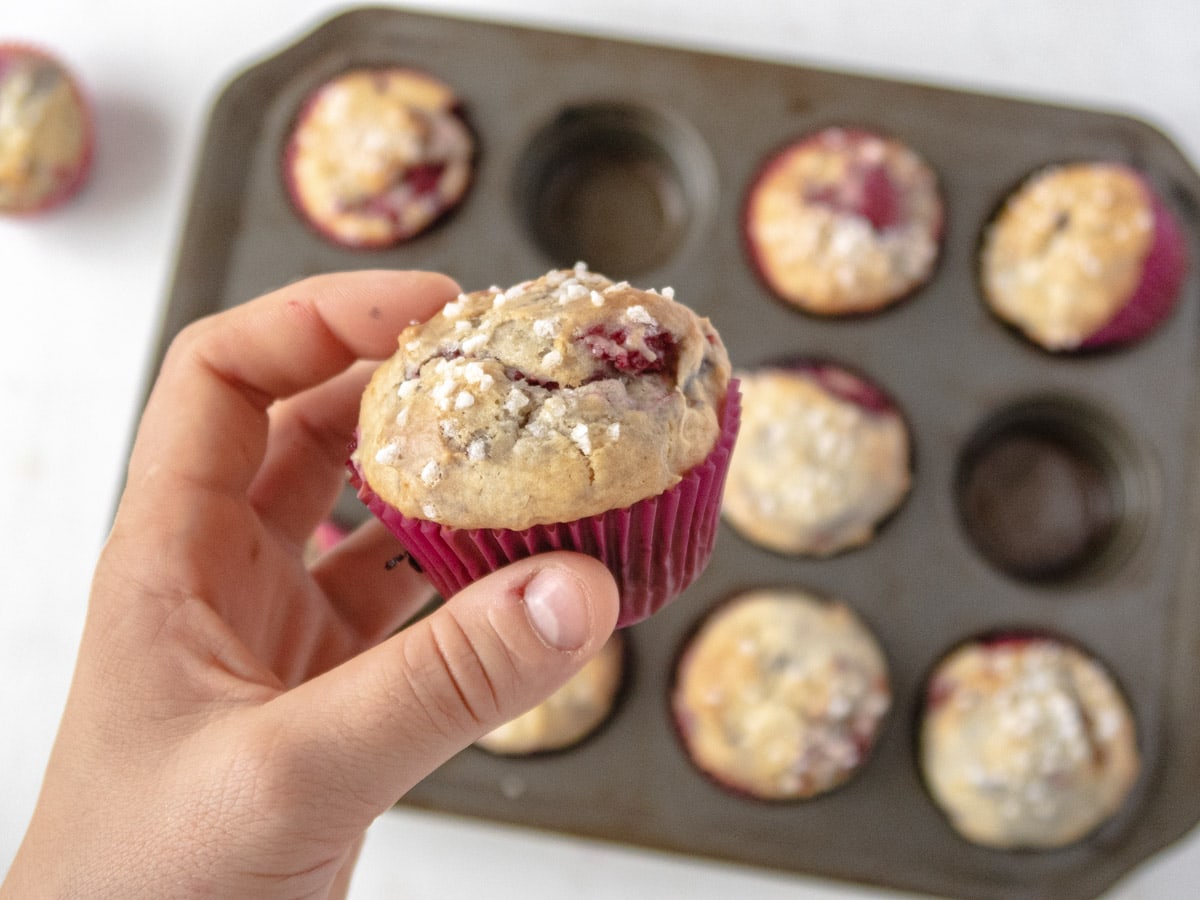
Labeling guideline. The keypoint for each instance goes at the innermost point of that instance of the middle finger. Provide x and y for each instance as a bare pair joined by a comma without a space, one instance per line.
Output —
307,447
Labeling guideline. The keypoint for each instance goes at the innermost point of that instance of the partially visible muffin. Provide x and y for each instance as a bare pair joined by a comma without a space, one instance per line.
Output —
570,714
46,134
1026,742
377,155
554,405
822,458
844,221
1083,256
780,694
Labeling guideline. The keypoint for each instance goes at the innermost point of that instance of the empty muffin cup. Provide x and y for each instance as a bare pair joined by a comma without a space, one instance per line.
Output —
1047,490
619,186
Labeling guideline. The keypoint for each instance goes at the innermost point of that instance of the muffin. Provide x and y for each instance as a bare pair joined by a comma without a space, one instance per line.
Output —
1026,742
46,134
822,458
570,714
566,412
844,221
1083,256
377,156
780,695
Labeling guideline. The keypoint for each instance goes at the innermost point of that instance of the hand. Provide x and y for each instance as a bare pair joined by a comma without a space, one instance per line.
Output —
237,720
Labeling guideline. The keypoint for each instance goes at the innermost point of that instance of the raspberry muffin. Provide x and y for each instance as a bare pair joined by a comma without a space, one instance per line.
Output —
570,714
1083,256
1026,742
822,458
567,412
843,222
46,133
780,695
378,155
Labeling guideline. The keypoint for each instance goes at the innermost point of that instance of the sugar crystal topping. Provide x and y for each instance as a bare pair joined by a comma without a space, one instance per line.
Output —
431,473
454,308
582,438
639,315
474,342
389,453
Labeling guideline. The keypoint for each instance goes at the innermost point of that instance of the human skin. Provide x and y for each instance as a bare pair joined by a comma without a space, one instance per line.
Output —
237,719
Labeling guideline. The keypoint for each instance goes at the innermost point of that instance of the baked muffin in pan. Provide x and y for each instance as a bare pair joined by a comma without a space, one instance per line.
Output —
843,222
1026,742
823,456
780,694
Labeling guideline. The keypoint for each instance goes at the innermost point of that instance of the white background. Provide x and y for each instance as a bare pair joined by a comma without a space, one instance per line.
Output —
82,289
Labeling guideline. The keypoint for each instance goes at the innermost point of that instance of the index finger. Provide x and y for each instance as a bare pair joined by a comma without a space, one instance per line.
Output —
205,423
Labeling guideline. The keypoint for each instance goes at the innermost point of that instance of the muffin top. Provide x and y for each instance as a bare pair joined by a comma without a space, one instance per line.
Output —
822,457
1026,743
557,399
1066,251
44,130
844,222
568,715
377,154
780,694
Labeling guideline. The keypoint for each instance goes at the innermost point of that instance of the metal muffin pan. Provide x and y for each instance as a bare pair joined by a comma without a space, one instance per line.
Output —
636,158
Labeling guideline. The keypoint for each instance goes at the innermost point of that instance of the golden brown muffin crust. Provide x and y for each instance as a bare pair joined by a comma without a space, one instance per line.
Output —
557,399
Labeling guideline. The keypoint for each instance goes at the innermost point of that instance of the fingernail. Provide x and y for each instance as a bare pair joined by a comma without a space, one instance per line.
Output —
557,609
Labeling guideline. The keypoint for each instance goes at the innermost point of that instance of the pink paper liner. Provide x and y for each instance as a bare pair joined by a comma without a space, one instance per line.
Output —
1163,271
654,548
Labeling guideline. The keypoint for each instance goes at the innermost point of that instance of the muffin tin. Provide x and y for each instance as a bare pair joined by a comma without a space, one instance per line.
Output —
636,158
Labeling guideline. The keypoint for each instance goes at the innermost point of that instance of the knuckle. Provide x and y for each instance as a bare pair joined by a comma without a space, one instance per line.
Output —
452,674
186,344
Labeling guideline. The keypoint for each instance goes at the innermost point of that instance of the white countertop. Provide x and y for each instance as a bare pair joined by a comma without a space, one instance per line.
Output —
82,290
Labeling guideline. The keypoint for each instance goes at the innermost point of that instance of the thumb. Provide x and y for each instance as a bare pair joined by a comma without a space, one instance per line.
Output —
379,723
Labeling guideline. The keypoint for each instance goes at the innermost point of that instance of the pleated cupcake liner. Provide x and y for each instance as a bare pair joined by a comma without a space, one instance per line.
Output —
654,548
